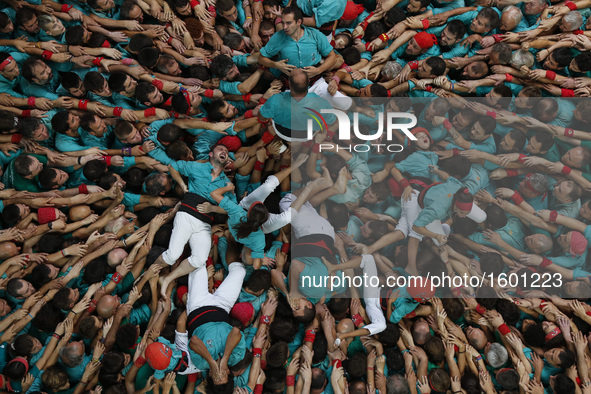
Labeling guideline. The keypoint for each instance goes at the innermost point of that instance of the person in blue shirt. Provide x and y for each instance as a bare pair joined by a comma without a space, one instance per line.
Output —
190,224
298,47
244,227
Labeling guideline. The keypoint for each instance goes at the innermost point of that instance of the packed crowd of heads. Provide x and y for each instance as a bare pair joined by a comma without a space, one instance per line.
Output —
170,222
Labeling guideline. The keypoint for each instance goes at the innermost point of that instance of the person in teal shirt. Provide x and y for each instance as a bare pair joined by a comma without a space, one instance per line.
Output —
244,227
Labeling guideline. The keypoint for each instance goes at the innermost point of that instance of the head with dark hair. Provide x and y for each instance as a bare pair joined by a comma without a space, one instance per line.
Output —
390,336
433,67
179,150
394,16
94,169
486,20
148,57
118,81
35,70
257,215
147,94
350,55
158,184
76,35
558,59
134,179
581,63
222,65
356,365
277,355
508,379
452,34
26,19
73,84
533,333
259,282
126,337
495,217
34,129
169,133
457,166
512,142
139,41
374,30
97,84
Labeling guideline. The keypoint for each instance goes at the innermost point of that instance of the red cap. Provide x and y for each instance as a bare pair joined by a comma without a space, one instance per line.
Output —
231,142
421,289
46,215
180,292
578,244
352,11
242,311
425,40
418,130
158,355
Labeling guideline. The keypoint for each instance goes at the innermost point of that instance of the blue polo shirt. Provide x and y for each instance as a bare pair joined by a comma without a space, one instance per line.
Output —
236,215
200,181
323,10
308,51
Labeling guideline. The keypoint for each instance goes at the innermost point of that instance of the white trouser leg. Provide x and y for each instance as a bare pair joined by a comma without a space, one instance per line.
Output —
436,227
184,228
338,101
227,294
200,242
198,295
371,296
181,341
410,213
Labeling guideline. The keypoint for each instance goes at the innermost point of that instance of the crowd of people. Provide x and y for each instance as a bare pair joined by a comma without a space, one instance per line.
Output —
175,203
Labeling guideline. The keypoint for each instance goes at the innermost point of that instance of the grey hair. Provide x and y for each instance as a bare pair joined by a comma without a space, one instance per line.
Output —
397,384
70,358
522,58
539,182
497,355
391,69
573,19
514,13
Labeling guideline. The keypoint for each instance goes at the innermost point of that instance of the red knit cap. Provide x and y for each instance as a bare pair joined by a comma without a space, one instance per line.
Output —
231,142
578,244
46,215
180,292
425,40
418,130
421,289
242,311
158,355
352,11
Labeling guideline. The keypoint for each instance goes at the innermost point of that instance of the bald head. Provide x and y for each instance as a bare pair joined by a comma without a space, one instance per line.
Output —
8,249
298,82
345,326
420,332
116,257
107,306
79,212
477,338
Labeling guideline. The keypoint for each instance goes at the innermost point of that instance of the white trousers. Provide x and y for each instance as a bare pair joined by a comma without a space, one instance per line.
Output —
410,213
338,101
181,341
371,296
307,221
188,228
224,297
